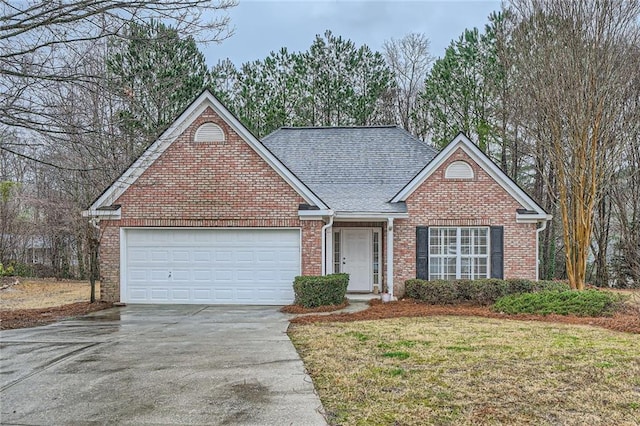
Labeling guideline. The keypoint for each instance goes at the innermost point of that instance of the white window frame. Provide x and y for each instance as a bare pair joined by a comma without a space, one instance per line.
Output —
458,253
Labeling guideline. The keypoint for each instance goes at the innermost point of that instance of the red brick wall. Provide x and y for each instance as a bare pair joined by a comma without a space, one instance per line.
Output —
207,185
456,202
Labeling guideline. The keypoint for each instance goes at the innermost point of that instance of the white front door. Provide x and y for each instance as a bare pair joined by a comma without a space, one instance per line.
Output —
357,258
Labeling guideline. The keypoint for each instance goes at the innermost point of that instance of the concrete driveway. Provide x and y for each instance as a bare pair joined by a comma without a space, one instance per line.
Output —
191,364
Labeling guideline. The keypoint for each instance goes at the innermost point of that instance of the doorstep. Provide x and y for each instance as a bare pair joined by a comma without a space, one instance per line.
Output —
365,297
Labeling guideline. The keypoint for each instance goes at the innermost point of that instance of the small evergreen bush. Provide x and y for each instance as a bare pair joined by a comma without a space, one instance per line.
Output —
478,292
312,291
587,303
432,292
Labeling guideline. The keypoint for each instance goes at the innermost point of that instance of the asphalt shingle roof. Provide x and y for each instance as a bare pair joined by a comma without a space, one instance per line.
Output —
352,169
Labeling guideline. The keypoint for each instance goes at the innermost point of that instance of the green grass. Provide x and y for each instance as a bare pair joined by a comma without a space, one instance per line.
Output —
472,371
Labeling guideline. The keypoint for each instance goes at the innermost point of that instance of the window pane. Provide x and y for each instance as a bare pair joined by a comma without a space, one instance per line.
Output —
450,268
465,242
480,268
435,268
465,268
481,241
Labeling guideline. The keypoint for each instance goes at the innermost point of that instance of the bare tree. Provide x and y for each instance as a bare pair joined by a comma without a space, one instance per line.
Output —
409,59
574,68
38,38
625,194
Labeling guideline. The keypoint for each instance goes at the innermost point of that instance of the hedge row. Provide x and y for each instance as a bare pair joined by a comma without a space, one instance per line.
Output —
588,303
313,291
480,292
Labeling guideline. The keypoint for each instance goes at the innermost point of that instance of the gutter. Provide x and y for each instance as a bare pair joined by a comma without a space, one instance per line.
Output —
324,238
538,231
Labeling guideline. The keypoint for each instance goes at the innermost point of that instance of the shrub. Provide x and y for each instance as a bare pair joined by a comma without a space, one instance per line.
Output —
479,292
432,292
550,286
313,291
6,271
483,292
23,270
587,303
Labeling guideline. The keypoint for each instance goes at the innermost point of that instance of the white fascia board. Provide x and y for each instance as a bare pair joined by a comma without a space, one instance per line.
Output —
206,99
367,216
314,214
533,218
461,141
325,212
102,214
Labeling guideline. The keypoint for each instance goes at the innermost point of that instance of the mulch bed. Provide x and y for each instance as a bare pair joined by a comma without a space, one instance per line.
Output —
626,322
21,318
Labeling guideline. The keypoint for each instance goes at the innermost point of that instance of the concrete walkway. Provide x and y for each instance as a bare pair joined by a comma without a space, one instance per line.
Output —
192,364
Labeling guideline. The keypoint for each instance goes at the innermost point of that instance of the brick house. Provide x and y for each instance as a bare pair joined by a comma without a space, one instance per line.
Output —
210,214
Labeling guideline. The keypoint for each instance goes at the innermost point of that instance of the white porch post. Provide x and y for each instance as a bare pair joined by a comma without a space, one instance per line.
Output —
390,256
329,251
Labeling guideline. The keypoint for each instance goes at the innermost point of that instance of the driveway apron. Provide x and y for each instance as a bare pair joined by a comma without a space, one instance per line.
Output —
169,364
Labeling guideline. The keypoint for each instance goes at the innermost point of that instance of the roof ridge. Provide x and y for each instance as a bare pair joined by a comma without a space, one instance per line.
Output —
382,126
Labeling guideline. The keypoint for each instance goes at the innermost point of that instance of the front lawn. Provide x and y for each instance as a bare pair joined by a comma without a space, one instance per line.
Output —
468,370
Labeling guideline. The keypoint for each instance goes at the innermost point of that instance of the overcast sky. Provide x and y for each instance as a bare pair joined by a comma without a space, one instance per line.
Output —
262,26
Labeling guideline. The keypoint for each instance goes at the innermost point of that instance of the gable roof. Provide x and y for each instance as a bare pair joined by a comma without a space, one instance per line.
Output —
205,100
531,210
353,169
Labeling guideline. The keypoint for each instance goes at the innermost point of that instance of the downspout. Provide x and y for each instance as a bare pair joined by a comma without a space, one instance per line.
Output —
324,238
390,257
538,231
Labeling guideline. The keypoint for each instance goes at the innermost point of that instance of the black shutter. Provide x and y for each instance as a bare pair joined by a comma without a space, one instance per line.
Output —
422,252
497,251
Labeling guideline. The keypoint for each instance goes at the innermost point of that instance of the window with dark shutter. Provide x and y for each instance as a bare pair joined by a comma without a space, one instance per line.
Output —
455,253
497,251
422,252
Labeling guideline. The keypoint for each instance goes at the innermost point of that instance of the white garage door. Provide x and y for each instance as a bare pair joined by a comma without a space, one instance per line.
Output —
210,266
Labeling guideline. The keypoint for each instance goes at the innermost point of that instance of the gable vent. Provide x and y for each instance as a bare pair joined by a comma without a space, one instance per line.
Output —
209,132
459,170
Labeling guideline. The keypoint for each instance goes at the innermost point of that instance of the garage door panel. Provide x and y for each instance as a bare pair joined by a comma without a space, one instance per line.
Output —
244,256
202,275
223,256
158,275
180,295
223,276
266,256
160,294
201,256
180,256
224,295
202,295
248,266
135,274
137,293
181,275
